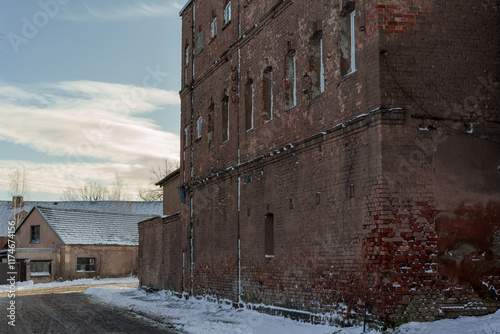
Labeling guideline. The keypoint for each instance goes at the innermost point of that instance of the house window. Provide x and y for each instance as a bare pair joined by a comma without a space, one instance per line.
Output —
213,27
227,13
199,122
35,234
269,235
210,133
267,94
85,264
249,95
316,64
186,136
199,41
225,118
40,268
290,80
348,44
187,55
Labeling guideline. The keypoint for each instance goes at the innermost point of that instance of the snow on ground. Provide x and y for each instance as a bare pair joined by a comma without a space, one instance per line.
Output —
205,317
84,281
200,316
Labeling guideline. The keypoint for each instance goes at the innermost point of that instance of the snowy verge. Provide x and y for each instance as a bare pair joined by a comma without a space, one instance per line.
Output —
200,316
84,281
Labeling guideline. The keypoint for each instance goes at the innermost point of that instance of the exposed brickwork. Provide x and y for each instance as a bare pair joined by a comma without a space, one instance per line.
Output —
365,177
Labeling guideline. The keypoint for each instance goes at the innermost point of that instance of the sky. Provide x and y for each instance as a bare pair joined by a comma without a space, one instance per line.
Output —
88,90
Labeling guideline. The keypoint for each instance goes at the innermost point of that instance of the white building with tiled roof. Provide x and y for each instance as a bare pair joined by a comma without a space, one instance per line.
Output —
58,243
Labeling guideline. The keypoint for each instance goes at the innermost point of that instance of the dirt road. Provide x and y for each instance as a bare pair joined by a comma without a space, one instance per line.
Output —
67,310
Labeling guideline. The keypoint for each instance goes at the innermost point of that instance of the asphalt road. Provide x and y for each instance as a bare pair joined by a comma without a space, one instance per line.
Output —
67,310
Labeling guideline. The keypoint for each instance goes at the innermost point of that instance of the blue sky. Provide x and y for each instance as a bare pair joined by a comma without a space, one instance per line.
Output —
88,89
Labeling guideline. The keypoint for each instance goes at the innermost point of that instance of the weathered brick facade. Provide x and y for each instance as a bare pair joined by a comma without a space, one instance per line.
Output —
337,161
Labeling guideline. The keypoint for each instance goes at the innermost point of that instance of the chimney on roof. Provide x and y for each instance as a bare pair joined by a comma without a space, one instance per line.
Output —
17,201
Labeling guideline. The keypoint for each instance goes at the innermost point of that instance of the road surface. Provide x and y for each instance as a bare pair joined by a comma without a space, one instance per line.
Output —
67,310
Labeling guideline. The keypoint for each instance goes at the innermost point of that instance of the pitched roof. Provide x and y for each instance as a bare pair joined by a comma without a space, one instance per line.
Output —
84,227
142,207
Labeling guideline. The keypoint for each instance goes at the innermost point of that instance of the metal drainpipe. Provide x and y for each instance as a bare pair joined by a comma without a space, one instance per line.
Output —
191,201
238,144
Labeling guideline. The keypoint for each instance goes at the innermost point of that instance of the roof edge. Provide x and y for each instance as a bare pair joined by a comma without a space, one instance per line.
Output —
185,6
168,177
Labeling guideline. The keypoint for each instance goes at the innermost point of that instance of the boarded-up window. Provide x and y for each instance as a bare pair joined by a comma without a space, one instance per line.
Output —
269,235
199,42
249,95
225,118
316,64
210,125
348,43
186,136
290,80
267,94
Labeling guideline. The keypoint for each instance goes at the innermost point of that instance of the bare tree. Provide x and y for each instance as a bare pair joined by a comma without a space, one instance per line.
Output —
91,191
116,193
18,182
18,189
153,192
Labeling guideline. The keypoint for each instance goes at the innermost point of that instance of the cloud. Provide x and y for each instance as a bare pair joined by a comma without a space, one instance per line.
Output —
124,10
82,119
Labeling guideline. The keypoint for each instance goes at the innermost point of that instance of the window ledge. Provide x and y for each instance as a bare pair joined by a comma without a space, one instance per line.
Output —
349,73
269,256
226,24
85,271
40,274
34,242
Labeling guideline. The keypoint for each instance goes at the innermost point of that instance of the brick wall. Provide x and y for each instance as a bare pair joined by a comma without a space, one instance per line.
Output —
363,177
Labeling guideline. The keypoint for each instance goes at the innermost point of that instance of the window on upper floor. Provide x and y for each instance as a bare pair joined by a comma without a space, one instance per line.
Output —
213,27
249,95
317,75
40,268
227,13
199,42
267,94
186,55
290,80
348,43
35,234
210,126
186,136
85,264
199,122
225,117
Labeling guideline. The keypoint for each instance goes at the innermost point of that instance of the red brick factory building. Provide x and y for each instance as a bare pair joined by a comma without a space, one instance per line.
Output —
336,156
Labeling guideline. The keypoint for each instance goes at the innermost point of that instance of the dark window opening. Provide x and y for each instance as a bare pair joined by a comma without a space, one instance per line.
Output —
85,264
35,234
225,118
249,94
269,235
267,83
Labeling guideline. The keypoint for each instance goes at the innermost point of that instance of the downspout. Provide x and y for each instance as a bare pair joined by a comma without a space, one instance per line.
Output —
239,157
191,201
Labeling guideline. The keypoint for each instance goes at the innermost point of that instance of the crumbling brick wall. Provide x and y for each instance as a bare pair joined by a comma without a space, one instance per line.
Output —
354,176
